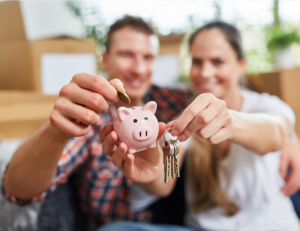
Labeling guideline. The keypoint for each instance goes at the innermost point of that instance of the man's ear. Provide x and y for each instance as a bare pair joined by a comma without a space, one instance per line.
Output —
105,60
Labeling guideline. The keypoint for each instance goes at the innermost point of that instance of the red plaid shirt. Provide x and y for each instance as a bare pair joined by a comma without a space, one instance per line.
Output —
104,192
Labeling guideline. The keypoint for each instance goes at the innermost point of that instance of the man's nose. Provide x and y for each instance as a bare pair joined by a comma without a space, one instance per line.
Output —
139,67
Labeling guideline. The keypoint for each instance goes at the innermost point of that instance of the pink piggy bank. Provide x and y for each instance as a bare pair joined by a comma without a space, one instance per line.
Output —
137,127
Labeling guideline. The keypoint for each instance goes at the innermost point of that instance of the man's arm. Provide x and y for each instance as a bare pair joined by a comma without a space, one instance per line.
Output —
34,164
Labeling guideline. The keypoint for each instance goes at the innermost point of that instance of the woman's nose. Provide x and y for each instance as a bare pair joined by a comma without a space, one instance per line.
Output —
207,70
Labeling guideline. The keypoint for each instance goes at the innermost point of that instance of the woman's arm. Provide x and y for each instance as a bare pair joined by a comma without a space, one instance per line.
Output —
260,132
209,118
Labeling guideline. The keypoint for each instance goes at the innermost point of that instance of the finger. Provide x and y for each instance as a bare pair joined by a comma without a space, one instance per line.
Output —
291,186
110,143
84,97
119,155
64,125
117,84
162,129
222,135
105,131
170,124
76,112
97,84
203,119
283,166
128,166
199,104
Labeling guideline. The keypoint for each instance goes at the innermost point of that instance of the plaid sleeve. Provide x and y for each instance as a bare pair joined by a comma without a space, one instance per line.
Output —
170,101
75,153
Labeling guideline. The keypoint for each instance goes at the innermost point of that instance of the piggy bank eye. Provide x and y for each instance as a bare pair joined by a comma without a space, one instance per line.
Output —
146,118
135,120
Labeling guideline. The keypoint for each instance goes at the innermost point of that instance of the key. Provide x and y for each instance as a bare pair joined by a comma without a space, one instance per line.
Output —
176,161
172,158
168,165
166,152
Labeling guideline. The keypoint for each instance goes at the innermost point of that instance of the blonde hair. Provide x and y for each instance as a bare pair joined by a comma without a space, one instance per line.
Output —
203,178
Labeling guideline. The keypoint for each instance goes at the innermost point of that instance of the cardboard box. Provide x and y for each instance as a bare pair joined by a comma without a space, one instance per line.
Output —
285,84
297,126
20,61
23,112
34,20
170,44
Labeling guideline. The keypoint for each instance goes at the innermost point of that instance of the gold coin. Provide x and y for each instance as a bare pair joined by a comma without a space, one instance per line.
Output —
124,97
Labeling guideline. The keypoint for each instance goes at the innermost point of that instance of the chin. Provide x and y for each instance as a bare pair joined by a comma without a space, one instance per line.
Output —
136,94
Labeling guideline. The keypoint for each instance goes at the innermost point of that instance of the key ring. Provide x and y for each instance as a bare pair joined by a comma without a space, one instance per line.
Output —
164,136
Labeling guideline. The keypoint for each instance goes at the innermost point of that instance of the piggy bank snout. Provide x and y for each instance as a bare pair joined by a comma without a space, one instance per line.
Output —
143,133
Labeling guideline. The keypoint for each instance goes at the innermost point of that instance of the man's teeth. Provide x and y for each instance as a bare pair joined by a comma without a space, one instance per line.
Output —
136,82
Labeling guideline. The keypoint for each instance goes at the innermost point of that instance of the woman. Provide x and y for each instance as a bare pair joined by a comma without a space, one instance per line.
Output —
233,181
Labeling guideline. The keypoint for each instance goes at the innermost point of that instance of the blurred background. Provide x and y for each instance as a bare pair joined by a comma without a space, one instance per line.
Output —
44,43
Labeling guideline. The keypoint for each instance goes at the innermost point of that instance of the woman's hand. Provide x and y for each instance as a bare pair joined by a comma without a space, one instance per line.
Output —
290,158
207,117
143,166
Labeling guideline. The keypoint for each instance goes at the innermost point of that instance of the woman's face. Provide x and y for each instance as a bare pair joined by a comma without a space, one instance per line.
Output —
215,67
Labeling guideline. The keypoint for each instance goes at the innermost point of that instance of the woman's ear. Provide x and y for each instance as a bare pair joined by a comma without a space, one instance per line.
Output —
242,66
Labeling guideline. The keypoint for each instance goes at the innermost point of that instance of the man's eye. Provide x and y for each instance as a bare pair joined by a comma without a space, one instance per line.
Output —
135,120
218,62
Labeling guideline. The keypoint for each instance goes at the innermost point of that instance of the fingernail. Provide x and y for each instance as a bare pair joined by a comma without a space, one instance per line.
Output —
182,138
174,132
120,83
121,148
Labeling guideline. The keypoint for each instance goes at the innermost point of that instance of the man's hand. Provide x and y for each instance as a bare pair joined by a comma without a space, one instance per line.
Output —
143,166
290,158
80,102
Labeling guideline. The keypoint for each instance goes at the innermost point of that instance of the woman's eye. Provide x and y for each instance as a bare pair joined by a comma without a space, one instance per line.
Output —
197,62
135,120
146,118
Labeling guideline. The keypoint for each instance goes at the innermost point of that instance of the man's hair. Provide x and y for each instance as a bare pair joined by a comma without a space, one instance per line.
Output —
128,21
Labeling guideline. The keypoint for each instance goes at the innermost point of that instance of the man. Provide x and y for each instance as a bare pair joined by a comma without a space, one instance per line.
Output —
52,154
49,156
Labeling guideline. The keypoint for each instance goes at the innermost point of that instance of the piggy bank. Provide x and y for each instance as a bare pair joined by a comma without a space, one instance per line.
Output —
137,127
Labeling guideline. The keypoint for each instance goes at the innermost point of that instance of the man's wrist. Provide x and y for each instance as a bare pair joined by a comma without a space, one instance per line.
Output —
53,134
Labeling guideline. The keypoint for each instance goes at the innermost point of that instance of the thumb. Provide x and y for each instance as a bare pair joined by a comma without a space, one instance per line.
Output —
117,84
283,166
162,129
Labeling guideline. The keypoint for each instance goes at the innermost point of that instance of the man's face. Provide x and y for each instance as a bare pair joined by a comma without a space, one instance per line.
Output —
130,59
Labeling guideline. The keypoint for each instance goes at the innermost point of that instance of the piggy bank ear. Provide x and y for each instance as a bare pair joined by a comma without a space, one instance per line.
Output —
123,112
151,106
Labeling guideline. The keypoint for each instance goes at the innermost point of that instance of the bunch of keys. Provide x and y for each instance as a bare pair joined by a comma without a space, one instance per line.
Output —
170,150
